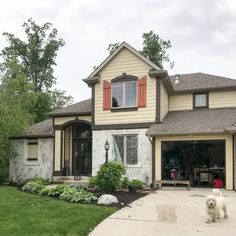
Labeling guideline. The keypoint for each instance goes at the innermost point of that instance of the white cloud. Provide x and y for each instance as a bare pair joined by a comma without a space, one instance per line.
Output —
202,32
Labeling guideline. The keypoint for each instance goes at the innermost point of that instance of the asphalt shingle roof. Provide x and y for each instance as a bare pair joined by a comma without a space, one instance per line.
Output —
80,108
41,129
201,81
198,121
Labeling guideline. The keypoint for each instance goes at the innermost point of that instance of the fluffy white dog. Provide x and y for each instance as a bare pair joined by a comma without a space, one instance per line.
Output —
214,204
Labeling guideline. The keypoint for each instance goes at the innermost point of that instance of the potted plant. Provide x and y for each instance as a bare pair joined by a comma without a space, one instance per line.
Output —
134,185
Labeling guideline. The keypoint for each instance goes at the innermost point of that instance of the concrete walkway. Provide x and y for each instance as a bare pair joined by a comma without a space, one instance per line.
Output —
169,212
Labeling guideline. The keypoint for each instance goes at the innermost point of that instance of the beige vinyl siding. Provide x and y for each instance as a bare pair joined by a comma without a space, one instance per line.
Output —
63,120
228,153
164,101
222,99
181,102
125,62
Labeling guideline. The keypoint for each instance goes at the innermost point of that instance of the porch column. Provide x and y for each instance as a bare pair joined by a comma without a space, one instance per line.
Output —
57,159
158,159
229,162
234,161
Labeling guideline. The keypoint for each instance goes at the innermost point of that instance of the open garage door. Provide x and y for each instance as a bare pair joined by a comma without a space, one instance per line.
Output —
201,162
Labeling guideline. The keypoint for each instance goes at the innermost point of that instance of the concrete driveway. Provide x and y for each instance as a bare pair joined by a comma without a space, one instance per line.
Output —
169,212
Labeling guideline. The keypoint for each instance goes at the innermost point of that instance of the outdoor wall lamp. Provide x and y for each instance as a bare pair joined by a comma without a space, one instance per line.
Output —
106,146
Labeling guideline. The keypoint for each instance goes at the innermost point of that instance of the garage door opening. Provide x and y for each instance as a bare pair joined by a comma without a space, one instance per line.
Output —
201,162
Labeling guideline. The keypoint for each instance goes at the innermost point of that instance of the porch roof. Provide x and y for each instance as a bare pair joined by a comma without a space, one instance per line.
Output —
198,121
79,108
43,129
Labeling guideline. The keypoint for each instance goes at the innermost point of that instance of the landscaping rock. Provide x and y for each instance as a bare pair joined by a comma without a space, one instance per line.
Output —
107,199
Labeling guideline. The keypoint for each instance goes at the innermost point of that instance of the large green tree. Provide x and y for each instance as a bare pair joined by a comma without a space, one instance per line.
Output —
154,48
16,105
36,55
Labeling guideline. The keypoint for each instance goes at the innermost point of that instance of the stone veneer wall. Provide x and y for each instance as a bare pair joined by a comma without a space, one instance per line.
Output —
234,160
20,169
142,171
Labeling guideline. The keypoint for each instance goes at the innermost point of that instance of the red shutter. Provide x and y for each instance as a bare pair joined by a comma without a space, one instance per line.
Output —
106,95
142,91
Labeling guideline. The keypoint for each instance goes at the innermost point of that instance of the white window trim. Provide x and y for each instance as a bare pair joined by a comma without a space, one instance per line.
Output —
124,92
125,149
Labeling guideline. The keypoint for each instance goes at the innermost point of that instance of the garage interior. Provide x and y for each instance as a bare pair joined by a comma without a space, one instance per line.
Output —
201,162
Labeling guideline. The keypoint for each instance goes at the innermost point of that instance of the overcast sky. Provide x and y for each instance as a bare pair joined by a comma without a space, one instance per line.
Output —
202,33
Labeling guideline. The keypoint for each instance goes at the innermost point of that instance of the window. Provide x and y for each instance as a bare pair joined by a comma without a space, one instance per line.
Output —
124,94
32,154
126,149
200,100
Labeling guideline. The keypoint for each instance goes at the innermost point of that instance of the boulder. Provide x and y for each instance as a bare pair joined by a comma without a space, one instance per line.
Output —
107,199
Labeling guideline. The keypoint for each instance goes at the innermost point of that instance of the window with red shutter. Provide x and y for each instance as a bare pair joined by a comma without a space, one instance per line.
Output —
142,94
106,95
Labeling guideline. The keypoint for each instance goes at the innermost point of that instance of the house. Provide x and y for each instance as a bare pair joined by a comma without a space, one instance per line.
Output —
159,126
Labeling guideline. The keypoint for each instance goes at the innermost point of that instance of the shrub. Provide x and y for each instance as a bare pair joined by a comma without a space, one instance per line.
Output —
78,187
92,182
55,191
73,195
109,177
125,182
136,183
35,185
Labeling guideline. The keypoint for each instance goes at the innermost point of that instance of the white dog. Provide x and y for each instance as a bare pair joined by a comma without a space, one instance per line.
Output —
214,204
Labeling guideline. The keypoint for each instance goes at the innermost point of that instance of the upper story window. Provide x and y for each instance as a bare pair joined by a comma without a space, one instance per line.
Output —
200,100
124,94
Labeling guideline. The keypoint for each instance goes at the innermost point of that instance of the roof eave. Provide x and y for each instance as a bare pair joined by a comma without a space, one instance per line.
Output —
92,81
71,114
31,136
186,134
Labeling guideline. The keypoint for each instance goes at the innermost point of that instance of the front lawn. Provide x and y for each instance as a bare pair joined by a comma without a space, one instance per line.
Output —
27,214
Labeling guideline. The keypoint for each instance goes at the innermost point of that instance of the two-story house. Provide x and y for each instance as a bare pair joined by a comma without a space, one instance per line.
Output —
159,126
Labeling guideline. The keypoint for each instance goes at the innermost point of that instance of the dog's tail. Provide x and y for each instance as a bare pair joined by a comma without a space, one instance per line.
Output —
216,192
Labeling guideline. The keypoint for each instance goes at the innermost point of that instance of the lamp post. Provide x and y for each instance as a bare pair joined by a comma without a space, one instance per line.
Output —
106,146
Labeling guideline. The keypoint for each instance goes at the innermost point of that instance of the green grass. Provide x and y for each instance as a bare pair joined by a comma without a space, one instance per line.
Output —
27,214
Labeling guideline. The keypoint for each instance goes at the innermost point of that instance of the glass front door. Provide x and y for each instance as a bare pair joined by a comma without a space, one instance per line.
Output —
82,164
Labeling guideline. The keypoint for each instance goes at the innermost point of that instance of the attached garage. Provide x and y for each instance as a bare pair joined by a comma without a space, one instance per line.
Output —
200,161
195,144
203,156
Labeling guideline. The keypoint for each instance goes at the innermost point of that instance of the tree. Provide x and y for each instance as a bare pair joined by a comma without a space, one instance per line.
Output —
36,55
16,105
112,47
154,48
59,99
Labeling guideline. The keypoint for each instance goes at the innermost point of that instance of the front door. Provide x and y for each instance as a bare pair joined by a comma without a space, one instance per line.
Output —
83,157
82,164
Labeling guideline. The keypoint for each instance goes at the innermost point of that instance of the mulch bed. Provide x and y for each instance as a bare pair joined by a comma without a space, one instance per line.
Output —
124,197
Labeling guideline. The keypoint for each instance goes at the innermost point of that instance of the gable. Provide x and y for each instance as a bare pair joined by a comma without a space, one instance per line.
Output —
124,62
